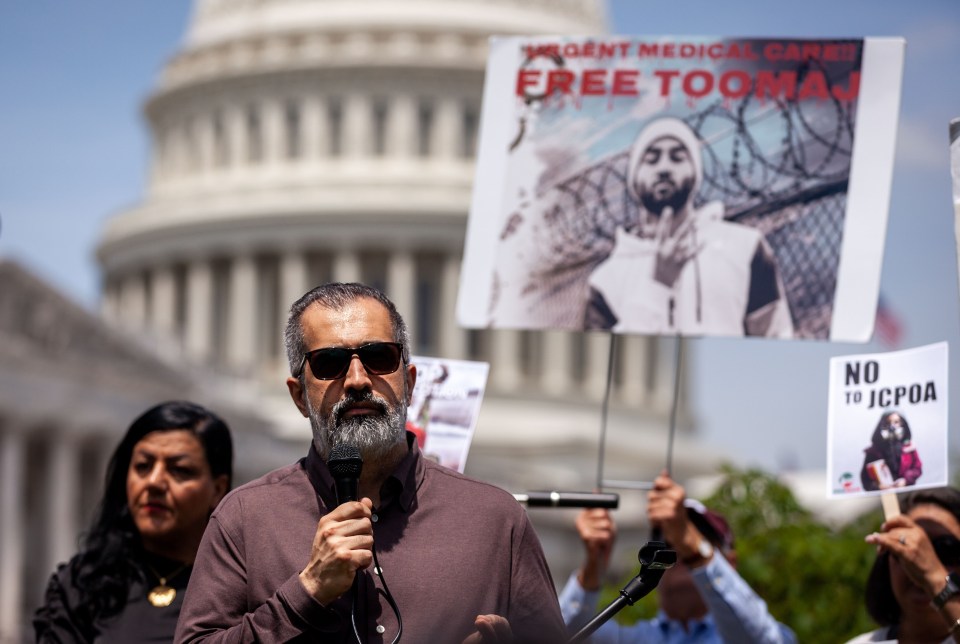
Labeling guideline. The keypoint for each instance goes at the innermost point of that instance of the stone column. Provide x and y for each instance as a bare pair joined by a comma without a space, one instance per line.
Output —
401,126
312,117
665,370
272,125
346,266
13,455
402,287
357,126
294,283
187,159
447,128
557,362
163,303
242,313
597,359
633,359
63,485
505,362
199,318
236,126
102,452
133,301
204,132
453,339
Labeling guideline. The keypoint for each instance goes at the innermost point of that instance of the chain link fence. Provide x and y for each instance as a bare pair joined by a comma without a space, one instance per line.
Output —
778,166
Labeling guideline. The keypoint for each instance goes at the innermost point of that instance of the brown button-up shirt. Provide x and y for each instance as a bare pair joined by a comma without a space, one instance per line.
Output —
450,548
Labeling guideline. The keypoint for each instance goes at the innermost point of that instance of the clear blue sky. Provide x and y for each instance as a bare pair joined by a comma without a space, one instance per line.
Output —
73,151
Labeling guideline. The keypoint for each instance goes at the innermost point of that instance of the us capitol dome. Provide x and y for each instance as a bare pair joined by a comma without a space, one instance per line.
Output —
296,142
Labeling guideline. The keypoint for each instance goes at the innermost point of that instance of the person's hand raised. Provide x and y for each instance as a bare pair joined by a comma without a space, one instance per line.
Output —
598,533
674,247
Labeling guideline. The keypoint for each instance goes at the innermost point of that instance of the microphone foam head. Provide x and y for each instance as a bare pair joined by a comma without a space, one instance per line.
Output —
345,460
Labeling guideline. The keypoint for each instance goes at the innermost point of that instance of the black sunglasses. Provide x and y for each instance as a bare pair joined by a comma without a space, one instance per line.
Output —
947,548
332,363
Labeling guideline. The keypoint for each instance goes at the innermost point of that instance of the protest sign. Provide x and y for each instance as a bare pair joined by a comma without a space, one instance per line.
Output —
445,406
691,186
955,174
887,421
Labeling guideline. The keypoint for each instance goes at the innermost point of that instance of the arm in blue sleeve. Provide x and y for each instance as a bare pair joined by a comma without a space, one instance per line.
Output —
576,604
579,606
739,613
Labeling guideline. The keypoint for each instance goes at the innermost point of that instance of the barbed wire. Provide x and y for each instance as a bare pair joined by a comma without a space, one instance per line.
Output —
780,166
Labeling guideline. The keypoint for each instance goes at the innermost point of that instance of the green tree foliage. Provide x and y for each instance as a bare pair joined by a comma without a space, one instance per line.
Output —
811,576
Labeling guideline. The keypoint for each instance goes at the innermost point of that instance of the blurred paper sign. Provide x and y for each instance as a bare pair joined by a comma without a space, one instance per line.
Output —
955,173
445,407
887,421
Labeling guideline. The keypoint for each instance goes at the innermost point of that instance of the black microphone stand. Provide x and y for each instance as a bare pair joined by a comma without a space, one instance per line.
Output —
655,559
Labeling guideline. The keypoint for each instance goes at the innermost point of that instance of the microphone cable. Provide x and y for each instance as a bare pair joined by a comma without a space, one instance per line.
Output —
353,609
384,592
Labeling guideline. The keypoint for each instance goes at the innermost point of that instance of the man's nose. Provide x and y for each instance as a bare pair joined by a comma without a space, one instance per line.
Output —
357,377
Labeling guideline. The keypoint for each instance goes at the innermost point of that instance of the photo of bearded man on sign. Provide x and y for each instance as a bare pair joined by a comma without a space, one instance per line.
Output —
681,268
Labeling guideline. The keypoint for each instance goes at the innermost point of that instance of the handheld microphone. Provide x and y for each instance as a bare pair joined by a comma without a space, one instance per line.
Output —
345,465
569,499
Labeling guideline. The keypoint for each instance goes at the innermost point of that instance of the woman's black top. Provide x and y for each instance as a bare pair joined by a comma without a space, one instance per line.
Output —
58,620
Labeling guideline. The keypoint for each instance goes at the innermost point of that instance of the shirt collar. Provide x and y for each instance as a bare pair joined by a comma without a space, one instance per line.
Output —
666,624
401,485
409,476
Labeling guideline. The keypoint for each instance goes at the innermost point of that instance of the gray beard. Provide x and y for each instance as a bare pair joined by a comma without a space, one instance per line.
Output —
374,435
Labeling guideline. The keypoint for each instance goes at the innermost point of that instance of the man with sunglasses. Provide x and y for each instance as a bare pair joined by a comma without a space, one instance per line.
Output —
426,552
702,599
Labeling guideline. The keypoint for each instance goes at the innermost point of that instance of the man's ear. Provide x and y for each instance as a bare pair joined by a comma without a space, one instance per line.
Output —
299,395
411,376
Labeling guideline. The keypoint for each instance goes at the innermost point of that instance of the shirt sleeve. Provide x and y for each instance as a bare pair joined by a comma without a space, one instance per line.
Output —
215,606
55,621
579,606
739,613
534,611
912,468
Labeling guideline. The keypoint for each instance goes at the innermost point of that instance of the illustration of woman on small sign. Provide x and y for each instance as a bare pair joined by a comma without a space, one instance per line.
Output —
891,461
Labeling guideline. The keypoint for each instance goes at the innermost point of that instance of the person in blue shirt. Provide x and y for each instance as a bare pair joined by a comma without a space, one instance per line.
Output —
702,599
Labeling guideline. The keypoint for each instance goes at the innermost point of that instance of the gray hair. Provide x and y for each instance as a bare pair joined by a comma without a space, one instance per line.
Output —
335,296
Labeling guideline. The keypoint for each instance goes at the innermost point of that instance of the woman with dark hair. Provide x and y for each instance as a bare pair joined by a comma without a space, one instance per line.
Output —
126,584
891,461
913,590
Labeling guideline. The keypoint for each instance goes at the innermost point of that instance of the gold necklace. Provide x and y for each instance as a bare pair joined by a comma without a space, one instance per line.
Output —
163,595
